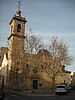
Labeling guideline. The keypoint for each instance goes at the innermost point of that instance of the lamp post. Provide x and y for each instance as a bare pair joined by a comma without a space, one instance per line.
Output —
16,71
16,74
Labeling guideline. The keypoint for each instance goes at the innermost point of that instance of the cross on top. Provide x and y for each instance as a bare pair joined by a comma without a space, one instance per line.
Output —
19,4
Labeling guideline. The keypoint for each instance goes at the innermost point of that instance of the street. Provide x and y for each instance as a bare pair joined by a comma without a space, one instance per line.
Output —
69,96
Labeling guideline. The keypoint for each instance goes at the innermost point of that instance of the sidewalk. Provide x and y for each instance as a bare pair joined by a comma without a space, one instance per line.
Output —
40,94
30,93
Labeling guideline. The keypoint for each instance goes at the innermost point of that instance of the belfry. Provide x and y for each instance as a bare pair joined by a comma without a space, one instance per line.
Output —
16,47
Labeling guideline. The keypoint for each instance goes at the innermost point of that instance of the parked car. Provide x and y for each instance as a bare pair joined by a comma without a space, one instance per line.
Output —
61,89
73,87
69,88
2,94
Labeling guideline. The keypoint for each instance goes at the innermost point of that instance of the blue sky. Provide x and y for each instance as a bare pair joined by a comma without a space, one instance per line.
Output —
46,18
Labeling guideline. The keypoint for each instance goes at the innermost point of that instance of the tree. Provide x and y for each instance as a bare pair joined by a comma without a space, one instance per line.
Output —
59,56
33,43
59,50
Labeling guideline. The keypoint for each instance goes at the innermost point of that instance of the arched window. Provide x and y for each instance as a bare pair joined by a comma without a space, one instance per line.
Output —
18,28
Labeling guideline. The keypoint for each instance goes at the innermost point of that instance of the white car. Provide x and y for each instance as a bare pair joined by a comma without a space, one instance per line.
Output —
61,89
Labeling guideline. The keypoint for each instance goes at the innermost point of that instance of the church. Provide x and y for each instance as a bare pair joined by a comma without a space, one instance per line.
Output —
21,70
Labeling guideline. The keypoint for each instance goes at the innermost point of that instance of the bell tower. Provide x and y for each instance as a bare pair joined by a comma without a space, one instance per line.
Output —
16,48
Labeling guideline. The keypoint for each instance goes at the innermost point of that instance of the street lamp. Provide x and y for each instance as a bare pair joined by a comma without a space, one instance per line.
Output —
16,71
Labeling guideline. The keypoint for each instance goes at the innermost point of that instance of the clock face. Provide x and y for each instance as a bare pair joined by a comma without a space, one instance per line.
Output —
18,28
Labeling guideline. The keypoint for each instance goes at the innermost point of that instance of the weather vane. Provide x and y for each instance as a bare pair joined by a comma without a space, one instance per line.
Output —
19,4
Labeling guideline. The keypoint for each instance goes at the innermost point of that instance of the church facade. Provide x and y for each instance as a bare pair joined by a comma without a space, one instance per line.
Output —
24,71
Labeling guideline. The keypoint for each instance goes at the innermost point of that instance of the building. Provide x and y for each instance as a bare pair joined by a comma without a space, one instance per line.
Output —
3,50
3,65
4,68
22,70
73,79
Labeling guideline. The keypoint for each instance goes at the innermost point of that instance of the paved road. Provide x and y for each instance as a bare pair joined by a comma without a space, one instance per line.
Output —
70,96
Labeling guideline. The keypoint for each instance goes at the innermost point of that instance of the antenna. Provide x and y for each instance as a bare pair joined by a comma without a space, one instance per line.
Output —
19,4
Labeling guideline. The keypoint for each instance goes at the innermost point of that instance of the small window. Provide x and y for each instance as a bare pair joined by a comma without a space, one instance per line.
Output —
7,55
35,84
27,65
18,28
